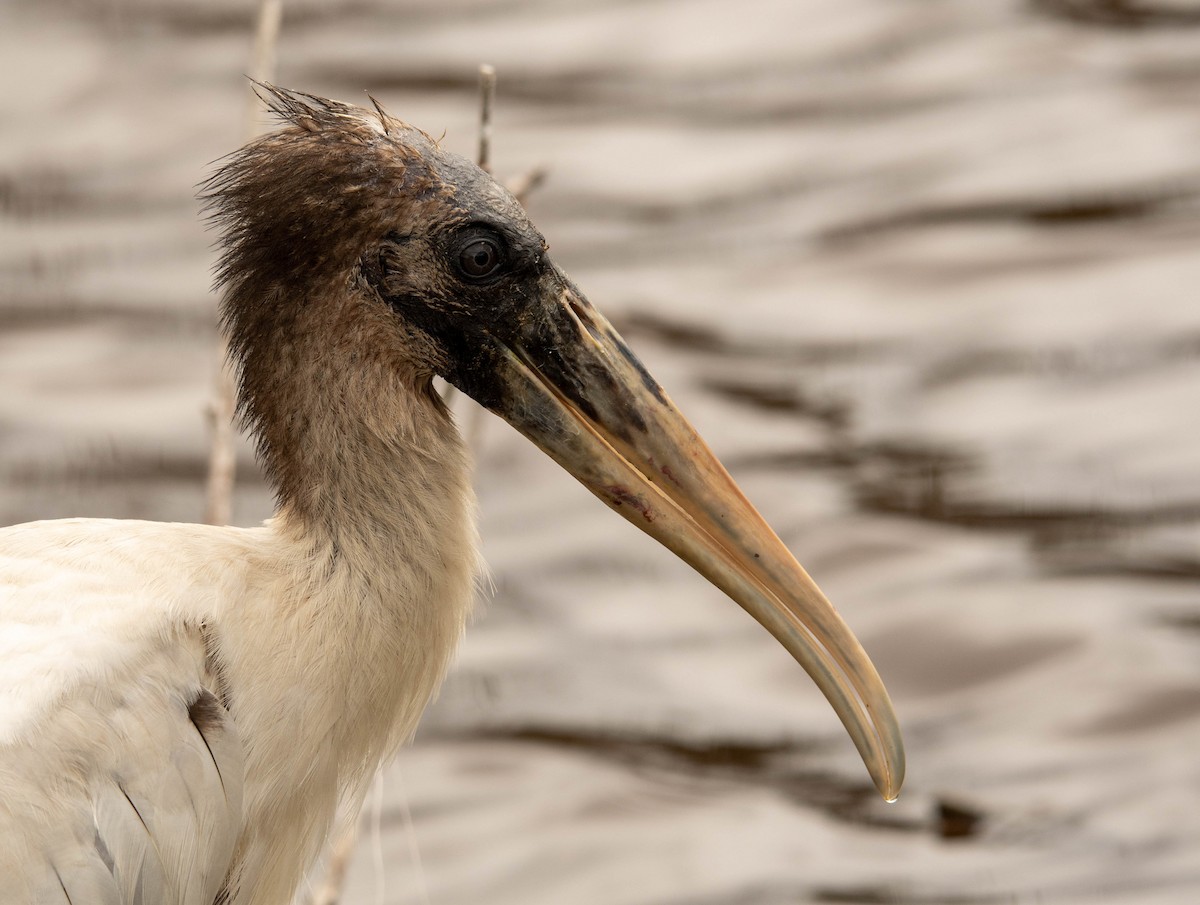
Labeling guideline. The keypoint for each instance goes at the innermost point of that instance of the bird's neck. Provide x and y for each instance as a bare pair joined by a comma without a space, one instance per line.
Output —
374,476
380,522
376,509
382,578
373,558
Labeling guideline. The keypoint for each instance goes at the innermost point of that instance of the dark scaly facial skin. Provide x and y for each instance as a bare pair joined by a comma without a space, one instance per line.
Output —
437,270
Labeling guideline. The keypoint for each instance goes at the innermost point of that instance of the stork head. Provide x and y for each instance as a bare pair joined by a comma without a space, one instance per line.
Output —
435,269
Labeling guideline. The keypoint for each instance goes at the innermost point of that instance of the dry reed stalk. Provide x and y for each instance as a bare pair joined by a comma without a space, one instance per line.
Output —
487,97
523,185
222,457
330,890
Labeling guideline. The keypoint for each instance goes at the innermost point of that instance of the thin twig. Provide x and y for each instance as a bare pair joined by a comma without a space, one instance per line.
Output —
410,833
525,183
377,837
222,460
266,39
222,457
487,96
330,890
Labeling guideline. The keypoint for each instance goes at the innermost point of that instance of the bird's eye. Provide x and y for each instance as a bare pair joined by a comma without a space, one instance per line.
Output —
479,257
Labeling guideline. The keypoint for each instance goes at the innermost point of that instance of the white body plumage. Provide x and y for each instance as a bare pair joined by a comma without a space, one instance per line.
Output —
328,651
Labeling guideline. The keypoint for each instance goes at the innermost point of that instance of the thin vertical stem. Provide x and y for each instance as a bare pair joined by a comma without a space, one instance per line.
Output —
222,457
487,97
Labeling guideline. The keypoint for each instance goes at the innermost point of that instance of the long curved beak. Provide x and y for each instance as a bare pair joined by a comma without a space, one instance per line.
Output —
571,384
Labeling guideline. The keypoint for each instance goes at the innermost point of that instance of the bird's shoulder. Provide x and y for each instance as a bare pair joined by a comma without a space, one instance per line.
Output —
83,600
121,767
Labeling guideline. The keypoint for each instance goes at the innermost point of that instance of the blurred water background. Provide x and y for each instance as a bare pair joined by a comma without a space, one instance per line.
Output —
924,273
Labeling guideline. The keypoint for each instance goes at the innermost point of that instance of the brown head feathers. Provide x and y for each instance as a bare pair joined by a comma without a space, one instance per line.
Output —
314,219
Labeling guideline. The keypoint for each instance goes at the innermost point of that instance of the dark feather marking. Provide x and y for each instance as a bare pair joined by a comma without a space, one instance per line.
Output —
383,117
206,712
62,885
105,854
141,820
138,895
214,665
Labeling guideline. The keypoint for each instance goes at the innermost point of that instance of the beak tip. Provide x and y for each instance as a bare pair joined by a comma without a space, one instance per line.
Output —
889,778
890,790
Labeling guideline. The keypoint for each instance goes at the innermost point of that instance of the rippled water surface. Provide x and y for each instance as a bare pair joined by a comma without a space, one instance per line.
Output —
923,273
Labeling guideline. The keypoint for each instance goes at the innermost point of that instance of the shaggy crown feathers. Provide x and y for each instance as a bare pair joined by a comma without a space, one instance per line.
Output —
298,209
334,178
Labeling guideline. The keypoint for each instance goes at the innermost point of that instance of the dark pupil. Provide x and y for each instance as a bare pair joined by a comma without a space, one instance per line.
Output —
479,258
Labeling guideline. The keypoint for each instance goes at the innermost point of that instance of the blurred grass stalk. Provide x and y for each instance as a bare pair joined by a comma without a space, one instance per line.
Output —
222,458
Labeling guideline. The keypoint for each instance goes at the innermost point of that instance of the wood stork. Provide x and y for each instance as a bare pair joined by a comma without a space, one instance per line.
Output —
181,706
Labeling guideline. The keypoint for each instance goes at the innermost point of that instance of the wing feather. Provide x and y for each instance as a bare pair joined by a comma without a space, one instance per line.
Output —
136,865
121,770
